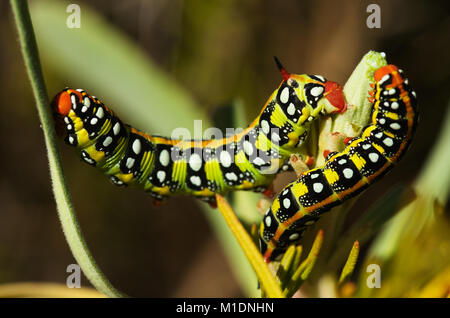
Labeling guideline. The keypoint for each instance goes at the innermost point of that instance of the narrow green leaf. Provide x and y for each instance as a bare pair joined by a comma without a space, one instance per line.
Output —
350,263
267,280
286,266
305,268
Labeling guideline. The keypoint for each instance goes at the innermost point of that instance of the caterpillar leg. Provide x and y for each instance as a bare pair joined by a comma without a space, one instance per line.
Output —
300,166
263,205
269,192
210,200
157,202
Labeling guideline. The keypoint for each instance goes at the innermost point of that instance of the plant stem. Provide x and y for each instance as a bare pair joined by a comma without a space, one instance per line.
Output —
268,281
66,212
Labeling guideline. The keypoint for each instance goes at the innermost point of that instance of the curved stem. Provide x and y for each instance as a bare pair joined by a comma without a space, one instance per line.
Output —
66,212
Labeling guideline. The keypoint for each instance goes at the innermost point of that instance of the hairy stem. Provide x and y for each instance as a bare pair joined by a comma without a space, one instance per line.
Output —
64,204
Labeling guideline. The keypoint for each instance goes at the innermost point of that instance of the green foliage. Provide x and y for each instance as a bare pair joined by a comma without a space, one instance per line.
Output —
99,58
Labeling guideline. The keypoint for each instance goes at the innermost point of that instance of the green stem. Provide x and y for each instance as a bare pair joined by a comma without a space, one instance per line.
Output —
66,212
267,280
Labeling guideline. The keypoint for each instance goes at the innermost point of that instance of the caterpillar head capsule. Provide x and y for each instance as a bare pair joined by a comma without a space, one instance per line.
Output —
62,102
61,105
323,96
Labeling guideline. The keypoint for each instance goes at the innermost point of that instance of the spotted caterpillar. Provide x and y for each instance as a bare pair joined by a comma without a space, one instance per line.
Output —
164,166
344,175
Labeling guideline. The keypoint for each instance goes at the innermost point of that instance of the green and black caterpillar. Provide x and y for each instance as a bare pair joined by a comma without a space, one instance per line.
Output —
364,160
163,166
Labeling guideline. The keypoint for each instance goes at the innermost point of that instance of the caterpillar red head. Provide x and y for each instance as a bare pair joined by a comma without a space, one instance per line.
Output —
324,96
61,105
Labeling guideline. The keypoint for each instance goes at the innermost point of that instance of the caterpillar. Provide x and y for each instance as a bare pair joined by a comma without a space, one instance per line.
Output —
344,175
163,166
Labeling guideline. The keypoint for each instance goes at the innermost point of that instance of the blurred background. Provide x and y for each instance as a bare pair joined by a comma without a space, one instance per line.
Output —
216,52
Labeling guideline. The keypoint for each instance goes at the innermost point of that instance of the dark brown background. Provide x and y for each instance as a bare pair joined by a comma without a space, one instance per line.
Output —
218,50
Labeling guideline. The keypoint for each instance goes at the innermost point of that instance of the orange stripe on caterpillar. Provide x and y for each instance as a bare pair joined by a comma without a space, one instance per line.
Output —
201,168
344,175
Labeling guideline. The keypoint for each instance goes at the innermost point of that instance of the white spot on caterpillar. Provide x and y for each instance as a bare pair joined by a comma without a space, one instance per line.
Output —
373,157
317,90
265,126
275,137
130,163
71,140
161,175
413,93
248,148
66,120
310,222
89,160
164,157
231,176
294,236
108,140
342,161
195,162
284,96
286,203
137,146
73,99
318,187
382,121
258,161
384,79
116,180
379,135
69,127
285,191
84,109
392,91
100,112
94,120
394,105
348,173
314,175
87,101
225,159
291,109
388,142
268,221
395,126
366,146
195,180
116,129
